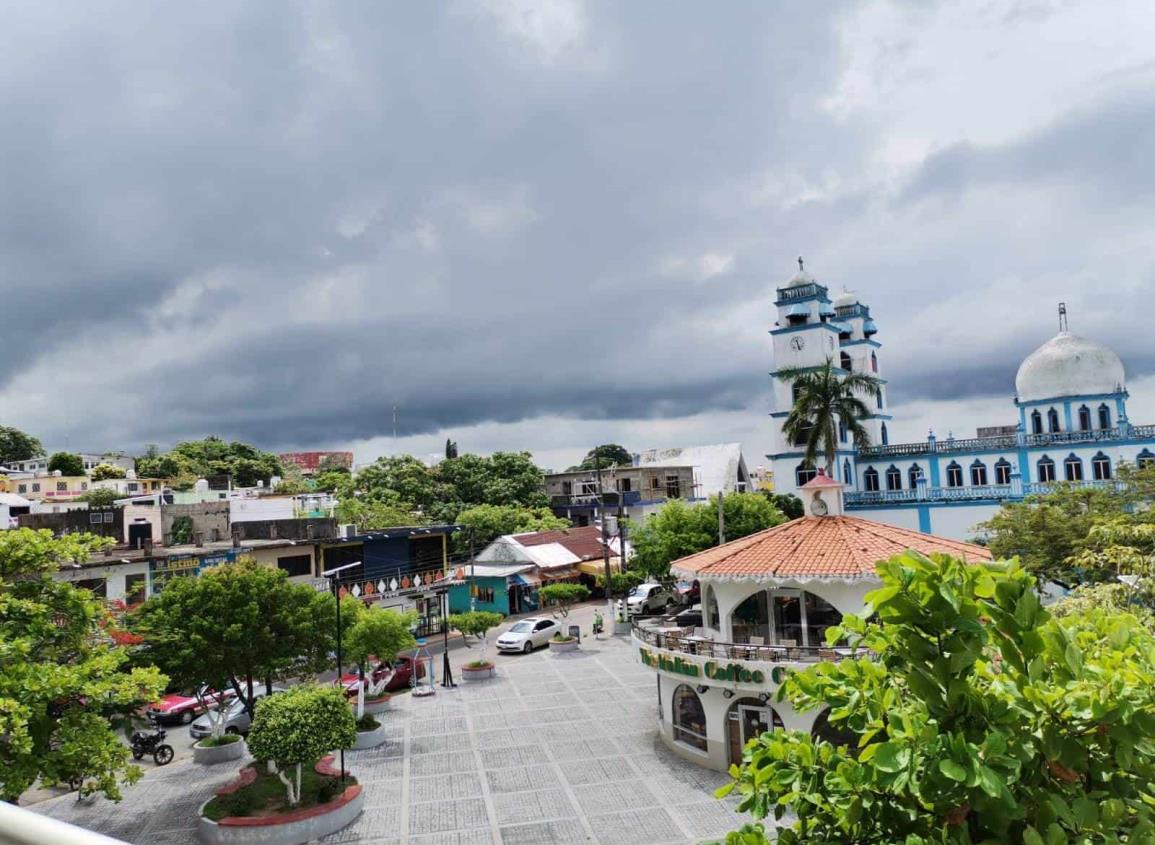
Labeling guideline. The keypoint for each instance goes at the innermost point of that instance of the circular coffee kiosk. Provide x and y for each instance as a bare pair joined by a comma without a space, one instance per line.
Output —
767,600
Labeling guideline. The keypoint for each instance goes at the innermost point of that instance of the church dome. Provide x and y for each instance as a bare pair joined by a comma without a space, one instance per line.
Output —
845,298
1068,365
799,279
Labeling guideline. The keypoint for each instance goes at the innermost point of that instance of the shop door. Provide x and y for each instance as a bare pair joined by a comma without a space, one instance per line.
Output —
755,721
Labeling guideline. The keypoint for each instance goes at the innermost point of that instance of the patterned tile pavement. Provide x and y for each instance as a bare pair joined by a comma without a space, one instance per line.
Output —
556,749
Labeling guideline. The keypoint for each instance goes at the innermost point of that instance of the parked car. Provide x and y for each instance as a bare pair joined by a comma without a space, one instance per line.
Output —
184,706
237,721
528,634
402,670
691,617
649,598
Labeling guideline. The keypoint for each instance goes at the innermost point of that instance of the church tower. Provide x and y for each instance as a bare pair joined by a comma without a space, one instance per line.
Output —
810,329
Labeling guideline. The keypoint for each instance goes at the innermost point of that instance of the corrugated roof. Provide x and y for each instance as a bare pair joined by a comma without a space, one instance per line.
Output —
585,542
818,547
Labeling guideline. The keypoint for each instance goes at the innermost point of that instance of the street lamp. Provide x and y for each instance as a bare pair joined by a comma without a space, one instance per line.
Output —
331,574
446,671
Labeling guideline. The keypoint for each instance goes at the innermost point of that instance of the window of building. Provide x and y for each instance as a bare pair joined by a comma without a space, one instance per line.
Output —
673,487
878,400
135,588
23,488
873,363
655,483
1101,467
885,437
1036,422
1046,469
36,488
98,586
1053,421
689,718
710,608
1073,468
979,474
625,485
296,564
847,475
803,434
1084,418
109,517
1002,471
795,392
804,472
482,594
954,475
567,488
844,360
870,480
83,485
915,473
95,518
893,478
841,431
1104,416
1145,459
61,486
133,487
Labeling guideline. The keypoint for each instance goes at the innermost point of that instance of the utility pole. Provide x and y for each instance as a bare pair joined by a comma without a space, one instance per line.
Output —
472,565
605,535
721,519
621,531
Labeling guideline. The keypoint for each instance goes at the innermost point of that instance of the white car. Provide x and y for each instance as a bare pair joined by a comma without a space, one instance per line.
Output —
528,634
649,598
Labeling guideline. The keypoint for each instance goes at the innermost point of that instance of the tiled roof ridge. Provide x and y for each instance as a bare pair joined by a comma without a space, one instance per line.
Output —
734,547
871,528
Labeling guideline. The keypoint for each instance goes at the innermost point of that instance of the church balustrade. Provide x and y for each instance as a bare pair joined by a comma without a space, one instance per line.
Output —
1041,488
1091,436
993,444
932,494
801,292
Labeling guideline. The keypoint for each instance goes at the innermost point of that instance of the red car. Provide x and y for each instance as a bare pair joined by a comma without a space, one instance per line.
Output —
402,670
183,706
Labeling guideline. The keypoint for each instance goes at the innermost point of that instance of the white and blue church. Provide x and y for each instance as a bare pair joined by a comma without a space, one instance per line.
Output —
1071,401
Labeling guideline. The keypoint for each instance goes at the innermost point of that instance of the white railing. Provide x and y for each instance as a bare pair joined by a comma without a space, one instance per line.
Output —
20,826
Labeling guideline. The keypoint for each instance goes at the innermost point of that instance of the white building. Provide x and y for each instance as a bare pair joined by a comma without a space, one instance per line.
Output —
767,600
39,464
1070,424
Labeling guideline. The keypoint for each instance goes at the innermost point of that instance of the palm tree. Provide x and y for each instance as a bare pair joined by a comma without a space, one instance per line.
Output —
823,397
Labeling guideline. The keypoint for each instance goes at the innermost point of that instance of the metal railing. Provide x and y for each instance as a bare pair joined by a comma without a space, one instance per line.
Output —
932,494
1003,442
800,292
19,826
685,643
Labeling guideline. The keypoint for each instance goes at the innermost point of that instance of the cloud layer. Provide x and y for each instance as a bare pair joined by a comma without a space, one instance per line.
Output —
523,222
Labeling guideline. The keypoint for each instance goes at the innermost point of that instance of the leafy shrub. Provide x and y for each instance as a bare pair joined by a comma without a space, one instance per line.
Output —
564,595
240,803
367,723
328,789
216,741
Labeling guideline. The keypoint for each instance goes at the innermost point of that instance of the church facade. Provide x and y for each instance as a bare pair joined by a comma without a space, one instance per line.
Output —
1070,404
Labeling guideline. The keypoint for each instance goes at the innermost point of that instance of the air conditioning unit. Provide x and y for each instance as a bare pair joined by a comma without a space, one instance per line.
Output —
346,530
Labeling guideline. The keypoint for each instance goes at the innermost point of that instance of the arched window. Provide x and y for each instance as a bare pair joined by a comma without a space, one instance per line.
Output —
878,400
841,431
915,473
1002,471
1084,418
1145,459
710,608
689,718
1073,468
1036,422
870,480
795,392
954,476
1053,421
1101,467
1104,416
803,434
804,472
873,363
844,360
1046,469
839,736
885,438
893,478
847,475
979,474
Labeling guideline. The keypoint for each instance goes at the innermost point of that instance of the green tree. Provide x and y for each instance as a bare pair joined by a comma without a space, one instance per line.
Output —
297,728
605,456
63,687
15,445
823,398
336,481
450,448
488,522
101,497
369,514
475,623
231,626
378,633
789,504
100,472
403,478
977,718
563,595
66,463
245,464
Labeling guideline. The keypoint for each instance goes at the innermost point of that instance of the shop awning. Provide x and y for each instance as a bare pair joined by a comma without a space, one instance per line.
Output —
525,579
559,573
597,567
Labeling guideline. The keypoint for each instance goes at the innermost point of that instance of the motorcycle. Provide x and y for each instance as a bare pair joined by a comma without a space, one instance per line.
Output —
145,742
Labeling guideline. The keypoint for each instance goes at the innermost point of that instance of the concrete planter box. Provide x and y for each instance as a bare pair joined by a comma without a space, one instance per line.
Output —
563,645
621,627
478,673
369,739
290,829
377,705
219,753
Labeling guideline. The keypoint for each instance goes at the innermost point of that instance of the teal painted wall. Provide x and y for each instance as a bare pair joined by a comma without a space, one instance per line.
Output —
459,596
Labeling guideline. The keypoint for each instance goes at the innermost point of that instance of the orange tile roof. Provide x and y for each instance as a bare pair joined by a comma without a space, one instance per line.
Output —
817,547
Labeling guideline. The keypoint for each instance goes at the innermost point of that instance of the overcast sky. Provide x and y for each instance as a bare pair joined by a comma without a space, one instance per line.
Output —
544,225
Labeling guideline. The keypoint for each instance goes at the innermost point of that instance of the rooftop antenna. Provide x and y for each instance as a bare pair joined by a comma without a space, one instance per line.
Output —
1062,316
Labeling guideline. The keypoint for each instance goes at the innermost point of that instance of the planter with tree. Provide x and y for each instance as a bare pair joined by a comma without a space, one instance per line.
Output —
563,642
376,637
564,596
289,795
476,623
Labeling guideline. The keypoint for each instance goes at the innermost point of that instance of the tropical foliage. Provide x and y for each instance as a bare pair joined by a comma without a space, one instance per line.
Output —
15,445
193,459
377,633
485,523
475,623
973,716
100,472
63,686
66,463
564,596
606,456
823,398
296,728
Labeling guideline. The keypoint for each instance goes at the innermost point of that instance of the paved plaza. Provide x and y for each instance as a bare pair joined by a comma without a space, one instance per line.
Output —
556,749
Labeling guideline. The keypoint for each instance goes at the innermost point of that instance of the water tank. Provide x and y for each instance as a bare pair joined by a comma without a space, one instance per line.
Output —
202,486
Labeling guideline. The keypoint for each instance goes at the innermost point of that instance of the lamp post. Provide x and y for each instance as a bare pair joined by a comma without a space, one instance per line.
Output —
331,574
446,671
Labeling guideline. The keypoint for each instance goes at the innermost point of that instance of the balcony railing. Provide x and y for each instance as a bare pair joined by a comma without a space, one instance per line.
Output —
684,642
931,494
609,499
1043,487
1003,442
800,292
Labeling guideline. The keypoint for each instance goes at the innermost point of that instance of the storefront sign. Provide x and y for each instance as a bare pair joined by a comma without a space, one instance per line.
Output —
733,672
